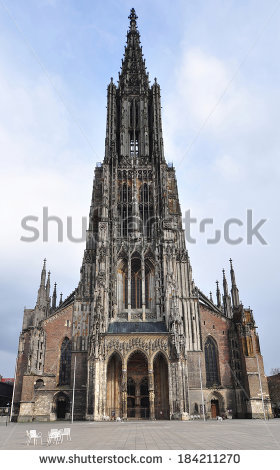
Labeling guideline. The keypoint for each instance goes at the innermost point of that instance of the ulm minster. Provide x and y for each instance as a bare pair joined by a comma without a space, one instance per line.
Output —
137,339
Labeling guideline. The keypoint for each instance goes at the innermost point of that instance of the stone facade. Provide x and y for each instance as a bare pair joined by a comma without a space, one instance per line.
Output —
274,392
137,337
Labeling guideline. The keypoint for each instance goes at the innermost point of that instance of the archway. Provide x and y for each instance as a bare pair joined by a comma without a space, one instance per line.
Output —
215,409
114,372
62,406
161,387
215,405
138,404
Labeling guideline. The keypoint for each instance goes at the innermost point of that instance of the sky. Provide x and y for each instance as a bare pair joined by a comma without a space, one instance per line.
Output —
217,62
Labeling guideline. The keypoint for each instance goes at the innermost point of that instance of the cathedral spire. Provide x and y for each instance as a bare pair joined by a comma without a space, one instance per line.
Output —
133,78
234,289
218,293
226,297
48,285
43,274
41,297
60,300
225,284
54,296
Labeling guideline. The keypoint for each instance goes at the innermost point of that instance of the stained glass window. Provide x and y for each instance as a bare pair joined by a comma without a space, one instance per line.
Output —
211,363
65,362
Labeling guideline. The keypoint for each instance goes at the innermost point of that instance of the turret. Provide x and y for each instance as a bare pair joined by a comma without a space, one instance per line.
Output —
218,294
234,289
226,298
54,296
41,297
48,285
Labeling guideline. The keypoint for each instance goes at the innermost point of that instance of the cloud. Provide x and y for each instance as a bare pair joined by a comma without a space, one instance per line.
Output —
45,161
228,168
221,130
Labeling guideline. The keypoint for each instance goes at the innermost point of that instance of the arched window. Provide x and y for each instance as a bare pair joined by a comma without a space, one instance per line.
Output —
144,193
39,384
149,284
122,285
126,193
130,387
65,363
211,363
136,283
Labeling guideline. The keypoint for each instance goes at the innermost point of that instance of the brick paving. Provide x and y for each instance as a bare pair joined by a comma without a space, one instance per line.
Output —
153,435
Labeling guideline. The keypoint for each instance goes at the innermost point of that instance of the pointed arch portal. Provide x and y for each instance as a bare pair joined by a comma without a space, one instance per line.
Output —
138,404
161,387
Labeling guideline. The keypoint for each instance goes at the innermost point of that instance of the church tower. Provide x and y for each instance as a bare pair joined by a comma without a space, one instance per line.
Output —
136,276
137,339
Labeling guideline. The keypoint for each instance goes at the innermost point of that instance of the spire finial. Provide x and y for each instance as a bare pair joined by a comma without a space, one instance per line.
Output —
211,298
60,301
133,17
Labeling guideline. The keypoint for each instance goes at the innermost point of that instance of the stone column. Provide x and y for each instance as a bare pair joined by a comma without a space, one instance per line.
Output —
129,287
137,401
151,393
143,288
124,393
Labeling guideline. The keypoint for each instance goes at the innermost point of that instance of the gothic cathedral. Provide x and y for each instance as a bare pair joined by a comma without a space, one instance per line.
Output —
137,339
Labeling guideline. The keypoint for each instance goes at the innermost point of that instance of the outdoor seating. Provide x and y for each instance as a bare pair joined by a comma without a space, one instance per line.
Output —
65,432
54,437
33,434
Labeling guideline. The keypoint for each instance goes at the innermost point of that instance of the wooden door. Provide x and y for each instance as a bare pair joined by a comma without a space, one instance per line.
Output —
214,408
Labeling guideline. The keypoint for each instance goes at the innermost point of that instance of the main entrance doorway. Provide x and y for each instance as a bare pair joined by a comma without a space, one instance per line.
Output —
138,404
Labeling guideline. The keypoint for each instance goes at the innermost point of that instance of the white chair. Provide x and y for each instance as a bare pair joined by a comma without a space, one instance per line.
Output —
33,434
65,432
54,436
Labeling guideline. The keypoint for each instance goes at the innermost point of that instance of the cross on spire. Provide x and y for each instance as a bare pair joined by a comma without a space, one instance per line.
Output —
133,17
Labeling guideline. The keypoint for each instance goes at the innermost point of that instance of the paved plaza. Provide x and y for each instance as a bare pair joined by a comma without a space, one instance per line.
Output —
153,435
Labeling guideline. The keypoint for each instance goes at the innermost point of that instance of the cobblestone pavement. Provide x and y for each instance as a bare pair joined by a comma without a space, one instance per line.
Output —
132,435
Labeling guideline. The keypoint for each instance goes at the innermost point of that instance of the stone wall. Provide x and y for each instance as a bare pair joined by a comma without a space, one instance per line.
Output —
274,391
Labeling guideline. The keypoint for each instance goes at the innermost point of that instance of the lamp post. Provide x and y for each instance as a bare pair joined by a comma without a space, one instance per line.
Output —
73,396
202,396
264,414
